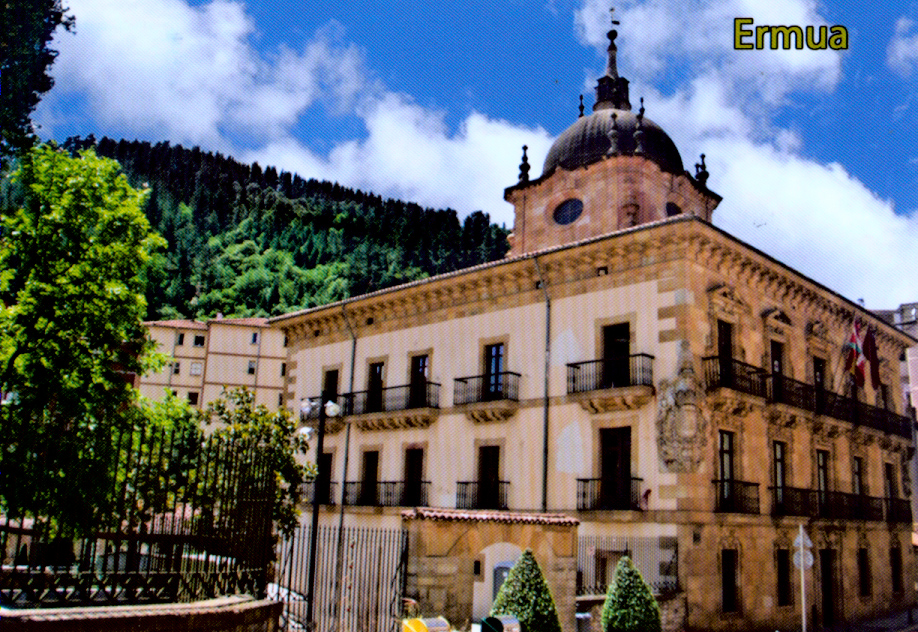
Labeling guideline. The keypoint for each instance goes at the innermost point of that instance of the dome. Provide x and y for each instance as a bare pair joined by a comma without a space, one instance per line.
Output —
588,141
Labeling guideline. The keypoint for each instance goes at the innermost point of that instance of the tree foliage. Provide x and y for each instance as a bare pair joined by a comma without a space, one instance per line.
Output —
71,303
630,605
275,432
25,59
244,241
526,596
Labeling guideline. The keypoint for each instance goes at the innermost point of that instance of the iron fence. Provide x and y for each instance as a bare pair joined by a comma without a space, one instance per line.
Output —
393,398
735,496
614,372
656,557
735,375
328,492
186,519
361,589
486,388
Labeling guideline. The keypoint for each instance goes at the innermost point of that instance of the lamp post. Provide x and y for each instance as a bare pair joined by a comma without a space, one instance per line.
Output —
326,409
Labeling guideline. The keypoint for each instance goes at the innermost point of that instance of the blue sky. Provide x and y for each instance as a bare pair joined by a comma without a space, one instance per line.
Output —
813,151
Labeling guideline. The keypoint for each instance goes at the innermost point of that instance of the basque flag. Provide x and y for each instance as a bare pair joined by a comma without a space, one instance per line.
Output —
856,361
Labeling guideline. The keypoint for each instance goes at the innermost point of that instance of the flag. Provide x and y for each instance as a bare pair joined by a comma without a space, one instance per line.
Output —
871,356
855,361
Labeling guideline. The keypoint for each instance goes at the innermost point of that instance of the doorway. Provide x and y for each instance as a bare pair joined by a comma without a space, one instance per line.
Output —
615,468
616,349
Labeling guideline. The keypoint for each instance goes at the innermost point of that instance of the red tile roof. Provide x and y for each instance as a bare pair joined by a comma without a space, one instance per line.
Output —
246,322
177,324
459,515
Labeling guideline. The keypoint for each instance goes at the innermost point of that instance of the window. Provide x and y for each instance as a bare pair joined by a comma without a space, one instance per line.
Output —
783,569
417,383
286,340
330,384
728,575
822,479
726,453
280,400
863,572
254,337
889,480
283,369
179,339
251,369
193,398
779,458
375,387
199,341
672,209
196,368
819,381
494,369
616,349
895,568
857,476
176,368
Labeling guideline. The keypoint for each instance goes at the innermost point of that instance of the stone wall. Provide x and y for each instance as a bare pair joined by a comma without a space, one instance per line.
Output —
672,613
226,614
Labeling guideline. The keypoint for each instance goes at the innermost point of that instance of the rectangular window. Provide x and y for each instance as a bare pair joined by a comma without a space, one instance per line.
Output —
330,384
783,568
280,400
286,340
193,398
179,340
857,476
779,464
199,341
819,381
417,382
176,368
197,368
863,572
283,369
889,480
375,387
726,455
616,352
251,369
254,337
728,574
493,369
895,568
822,480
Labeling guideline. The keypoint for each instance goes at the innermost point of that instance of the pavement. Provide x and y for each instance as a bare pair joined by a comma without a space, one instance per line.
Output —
899,622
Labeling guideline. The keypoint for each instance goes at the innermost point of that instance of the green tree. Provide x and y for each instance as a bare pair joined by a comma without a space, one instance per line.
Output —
71,303
630,605
275,432
526,596
25,58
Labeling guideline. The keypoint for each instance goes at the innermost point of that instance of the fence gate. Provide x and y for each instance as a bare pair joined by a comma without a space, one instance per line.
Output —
359,592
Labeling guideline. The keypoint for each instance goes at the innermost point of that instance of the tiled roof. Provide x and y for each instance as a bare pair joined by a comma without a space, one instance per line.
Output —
176,324
245,322
460,515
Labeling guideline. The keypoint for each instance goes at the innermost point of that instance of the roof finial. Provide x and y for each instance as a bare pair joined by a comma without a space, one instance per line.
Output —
613,136
701,172
524,166
581,107
612,90
639,132
640,115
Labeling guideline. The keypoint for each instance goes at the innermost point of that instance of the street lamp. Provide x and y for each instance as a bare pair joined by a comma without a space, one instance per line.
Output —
329,409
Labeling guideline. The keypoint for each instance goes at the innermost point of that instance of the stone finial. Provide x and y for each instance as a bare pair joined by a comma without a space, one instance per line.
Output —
524,166
701,172
581,107
613,136
639,132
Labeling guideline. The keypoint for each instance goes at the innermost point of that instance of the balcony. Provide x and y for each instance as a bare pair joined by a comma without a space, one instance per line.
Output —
481,495
738,376
327,492
596,494
488,398
332,424
617,383
780,389
386,493
409,406
898,510
735,496
812,503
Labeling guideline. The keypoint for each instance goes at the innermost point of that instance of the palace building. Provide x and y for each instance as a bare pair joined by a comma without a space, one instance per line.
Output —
630,379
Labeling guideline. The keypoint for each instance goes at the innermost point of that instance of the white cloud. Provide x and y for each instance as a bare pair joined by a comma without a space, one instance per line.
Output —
191,74
902,53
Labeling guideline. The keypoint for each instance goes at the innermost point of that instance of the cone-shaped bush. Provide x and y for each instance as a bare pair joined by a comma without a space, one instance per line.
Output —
630,605
526,596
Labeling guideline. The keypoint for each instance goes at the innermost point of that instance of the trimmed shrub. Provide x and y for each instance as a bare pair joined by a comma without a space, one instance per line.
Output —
630,605
526,596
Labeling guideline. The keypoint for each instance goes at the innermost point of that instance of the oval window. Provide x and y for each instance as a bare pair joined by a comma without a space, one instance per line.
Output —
568,211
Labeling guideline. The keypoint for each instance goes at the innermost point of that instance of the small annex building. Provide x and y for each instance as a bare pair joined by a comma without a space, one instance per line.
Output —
630,379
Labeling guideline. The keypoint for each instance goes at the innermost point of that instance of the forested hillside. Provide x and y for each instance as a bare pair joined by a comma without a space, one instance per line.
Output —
247,241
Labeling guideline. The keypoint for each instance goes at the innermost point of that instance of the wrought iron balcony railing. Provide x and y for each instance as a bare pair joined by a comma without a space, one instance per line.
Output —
386,493
393,398
733,496
745,378
487,388
595,493
794,501
313,413
735,375
898,510
482,495
615,372
328,493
